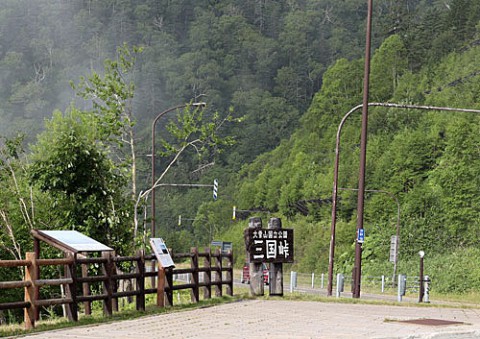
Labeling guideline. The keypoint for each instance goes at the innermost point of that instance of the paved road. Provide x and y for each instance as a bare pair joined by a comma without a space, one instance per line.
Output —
288,319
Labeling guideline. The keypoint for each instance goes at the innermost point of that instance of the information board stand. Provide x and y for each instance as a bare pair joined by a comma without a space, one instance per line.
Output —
165,261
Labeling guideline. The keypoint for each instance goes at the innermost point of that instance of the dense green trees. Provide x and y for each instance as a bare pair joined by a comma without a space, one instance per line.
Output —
85,187
290,69
426,159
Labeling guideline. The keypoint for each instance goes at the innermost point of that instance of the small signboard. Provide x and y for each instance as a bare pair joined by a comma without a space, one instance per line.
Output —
270,245
393,248
225,246
161,252
361,236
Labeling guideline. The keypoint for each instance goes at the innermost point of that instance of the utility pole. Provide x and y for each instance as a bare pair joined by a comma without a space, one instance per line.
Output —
357,268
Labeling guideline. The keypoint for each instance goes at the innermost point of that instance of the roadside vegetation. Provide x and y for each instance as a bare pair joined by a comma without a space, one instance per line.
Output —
277,77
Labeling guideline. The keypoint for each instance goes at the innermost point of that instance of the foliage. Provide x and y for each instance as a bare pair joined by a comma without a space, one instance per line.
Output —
16,212
85,186
427,159
292,70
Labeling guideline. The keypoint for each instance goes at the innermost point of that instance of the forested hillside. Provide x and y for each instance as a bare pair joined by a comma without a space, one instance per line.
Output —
289,71
428,160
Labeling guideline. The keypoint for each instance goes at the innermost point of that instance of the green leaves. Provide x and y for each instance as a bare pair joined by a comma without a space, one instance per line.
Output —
192,129
75,170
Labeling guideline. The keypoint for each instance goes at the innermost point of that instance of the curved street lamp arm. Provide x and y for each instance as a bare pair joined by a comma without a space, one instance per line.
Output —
337,160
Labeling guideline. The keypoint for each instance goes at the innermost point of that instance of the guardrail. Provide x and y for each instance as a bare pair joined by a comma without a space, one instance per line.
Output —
103,276
306,282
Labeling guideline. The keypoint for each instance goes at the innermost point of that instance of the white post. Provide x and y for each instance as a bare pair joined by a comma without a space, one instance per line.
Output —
313,280
321,281
291,281
339,284
383,283
426,298
401,286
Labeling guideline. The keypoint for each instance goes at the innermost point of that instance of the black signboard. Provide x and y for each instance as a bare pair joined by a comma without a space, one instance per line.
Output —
270,245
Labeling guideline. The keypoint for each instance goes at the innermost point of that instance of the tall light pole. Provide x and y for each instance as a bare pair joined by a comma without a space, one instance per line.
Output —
196,104
337,162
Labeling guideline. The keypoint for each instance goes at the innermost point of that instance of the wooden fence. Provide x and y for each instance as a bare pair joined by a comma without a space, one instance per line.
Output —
86,280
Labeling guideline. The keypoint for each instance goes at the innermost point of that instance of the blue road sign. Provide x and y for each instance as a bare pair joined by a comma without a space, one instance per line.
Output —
360,236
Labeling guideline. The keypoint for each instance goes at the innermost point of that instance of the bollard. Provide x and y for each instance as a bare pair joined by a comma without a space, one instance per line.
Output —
402,286
383,283
293,281
313,280
321,281
427,289
340,284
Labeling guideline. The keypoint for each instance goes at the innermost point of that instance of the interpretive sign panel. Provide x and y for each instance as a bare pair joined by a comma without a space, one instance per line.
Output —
73,240
270,245
161,252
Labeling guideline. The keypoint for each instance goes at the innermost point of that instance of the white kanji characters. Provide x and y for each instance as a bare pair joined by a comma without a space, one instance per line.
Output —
271,248
258,249
283,248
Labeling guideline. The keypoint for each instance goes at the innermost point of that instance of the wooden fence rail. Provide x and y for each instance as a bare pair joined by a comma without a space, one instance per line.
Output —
111,284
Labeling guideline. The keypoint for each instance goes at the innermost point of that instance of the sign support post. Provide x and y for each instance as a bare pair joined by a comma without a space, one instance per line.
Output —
276,269
255,268
161,286
164,261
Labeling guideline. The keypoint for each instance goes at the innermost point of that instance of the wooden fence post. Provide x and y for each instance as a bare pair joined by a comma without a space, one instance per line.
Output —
70,289
37,250
108,283
86,288
194,265
207,276
218,273
140,281
230,273
153,263
114,282
30,275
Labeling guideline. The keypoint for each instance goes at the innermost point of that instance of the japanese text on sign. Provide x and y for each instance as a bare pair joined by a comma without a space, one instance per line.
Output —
270,245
